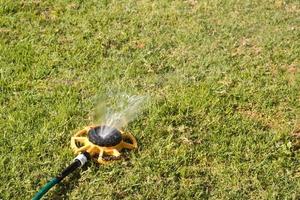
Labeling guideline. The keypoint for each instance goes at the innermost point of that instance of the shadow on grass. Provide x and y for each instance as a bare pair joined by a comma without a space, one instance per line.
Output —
62,190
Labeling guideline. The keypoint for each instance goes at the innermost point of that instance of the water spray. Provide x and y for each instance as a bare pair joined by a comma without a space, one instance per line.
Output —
101,143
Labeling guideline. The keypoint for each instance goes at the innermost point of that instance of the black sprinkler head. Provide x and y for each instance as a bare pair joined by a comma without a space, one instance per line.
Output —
105,136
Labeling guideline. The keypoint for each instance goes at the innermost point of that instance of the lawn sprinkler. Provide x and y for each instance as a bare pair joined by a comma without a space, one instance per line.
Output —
100,143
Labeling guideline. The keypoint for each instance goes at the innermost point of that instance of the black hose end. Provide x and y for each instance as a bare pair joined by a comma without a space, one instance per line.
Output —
87,155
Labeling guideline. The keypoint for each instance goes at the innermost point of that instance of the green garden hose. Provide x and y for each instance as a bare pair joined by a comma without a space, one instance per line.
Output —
79,161
45,189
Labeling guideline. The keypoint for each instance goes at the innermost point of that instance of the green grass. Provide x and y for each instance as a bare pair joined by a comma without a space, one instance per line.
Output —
224,80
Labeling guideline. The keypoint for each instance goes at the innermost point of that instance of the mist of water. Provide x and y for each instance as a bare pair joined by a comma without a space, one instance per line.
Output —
125,109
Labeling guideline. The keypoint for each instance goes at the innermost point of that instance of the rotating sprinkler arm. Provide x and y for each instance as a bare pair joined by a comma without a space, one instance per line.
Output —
79,161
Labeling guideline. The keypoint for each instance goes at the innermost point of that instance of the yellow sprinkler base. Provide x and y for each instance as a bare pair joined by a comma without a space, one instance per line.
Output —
80,143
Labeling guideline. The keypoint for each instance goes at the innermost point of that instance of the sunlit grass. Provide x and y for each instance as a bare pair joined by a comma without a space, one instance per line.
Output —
223,77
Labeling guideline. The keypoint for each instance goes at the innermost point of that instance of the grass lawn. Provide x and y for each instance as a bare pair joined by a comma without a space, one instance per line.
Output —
224,81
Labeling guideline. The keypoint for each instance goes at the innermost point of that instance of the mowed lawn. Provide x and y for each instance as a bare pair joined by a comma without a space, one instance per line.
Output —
224,81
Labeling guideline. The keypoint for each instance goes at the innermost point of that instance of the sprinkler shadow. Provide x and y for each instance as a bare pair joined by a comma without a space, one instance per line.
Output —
63,188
